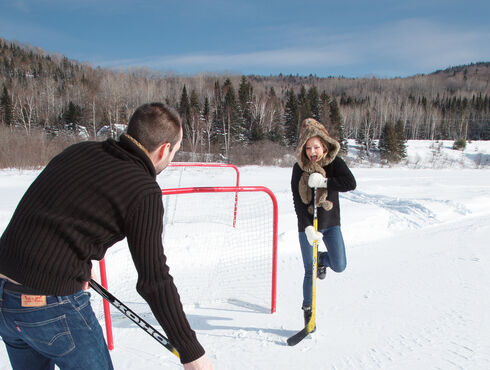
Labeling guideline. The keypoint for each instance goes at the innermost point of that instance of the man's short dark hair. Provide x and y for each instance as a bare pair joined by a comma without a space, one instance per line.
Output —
154,124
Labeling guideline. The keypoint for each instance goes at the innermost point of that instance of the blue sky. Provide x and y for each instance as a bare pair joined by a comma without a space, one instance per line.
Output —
352,38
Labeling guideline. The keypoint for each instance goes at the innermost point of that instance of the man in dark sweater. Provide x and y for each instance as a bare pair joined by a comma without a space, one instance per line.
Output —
88,197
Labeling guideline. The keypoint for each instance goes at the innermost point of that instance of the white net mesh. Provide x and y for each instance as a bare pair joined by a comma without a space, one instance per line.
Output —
217,255
219,246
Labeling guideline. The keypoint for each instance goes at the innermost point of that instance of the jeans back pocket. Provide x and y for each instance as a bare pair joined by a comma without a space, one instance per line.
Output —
51,337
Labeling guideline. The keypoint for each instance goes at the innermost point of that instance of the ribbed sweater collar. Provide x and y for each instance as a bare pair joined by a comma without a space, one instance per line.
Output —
132,146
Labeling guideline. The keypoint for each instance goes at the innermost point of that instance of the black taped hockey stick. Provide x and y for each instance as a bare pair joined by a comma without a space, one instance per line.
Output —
133,316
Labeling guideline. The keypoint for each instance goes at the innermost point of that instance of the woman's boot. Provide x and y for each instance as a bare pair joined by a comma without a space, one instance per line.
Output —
307,314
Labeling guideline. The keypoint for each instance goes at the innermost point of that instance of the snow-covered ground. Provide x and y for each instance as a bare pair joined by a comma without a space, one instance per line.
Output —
428,154
415,294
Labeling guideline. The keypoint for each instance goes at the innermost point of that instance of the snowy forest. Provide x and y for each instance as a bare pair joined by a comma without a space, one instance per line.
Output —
48,101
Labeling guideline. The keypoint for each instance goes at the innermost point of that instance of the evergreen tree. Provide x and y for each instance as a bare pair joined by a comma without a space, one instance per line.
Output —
194,122
325,109
184,106
291,115
194,102
217,127
304,106
313,102
245,98
6,108
401,140
206,111
392,144
73,114
232,130
388,143
459,144
337,125
276,133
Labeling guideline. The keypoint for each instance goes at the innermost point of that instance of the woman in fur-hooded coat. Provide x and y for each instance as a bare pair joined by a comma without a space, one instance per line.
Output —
336,177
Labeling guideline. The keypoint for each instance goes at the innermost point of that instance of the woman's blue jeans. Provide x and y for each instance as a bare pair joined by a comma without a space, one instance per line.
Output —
334,258
64,332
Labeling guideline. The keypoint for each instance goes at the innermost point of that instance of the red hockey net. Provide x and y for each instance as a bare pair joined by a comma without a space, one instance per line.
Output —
221,243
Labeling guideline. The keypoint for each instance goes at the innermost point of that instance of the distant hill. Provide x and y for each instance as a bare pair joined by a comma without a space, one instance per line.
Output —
481,70
41,93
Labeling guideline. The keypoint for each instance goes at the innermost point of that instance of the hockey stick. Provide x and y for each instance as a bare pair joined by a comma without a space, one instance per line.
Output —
133,316
299,336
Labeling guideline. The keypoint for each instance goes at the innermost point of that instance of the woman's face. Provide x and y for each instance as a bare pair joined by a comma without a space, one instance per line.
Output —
314,149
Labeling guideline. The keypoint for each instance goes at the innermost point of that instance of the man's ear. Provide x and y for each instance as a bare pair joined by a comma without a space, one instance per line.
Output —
163,148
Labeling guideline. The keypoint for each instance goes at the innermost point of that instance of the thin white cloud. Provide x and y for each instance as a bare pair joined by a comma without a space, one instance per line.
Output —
22,6
405,47
422,44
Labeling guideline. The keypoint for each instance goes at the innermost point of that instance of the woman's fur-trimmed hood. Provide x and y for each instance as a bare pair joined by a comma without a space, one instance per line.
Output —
311,128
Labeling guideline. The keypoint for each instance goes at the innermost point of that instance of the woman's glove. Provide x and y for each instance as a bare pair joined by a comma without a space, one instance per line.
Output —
312,235
316,180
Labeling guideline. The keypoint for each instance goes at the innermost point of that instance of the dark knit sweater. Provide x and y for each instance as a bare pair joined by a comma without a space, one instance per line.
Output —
340,179
88,197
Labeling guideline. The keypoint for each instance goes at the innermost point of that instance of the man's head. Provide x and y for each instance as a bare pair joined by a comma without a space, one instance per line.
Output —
159,129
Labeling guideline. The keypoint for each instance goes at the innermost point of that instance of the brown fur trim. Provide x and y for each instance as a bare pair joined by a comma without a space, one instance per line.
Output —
311,128
321,200
138,144
306,194
304,190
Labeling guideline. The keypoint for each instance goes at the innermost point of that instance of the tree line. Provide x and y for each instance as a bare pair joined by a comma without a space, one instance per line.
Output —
43,94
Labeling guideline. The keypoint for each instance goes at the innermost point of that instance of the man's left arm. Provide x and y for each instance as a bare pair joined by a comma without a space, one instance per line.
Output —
155,284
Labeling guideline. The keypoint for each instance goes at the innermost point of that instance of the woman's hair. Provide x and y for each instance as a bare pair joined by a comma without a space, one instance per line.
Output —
154,124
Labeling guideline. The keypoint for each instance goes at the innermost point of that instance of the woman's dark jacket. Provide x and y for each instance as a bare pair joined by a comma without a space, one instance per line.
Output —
340,179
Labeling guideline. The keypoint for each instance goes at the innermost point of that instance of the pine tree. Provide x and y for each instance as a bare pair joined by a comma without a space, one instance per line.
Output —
291,116
206,109
206,116
313,102
245,98
401,140
73,114
184,109
232,130
6,108
304,106
325,109
392,144
276,133
337,125
388,143
194,122
217,126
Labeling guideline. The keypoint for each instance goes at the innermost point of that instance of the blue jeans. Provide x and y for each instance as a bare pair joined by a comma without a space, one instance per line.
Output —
334,258
64,332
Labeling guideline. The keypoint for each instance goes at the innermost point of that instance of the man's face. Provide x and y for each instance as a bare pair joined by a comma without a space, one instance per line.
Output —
168,156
